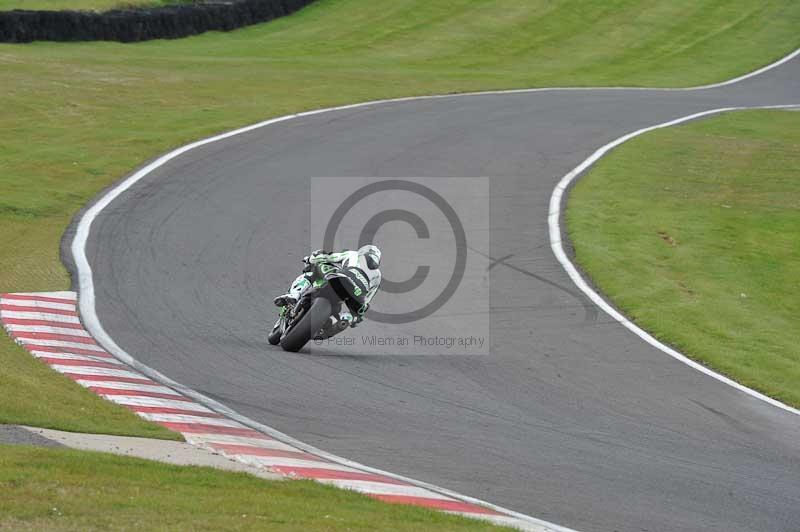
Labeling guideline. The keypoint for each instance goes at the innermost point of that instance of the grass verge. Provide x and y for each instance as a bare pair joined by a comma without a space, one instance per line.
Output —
33,394
53,489
77,116
693,232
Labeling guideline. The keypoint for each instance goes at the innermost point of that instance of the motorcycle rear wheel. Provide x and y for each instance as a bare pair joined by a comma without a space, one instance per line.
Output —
309,324
274,338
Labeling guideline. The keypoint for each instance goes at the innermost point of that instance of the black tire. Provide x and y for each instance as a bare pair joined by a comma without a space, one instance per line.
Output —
309,324
274,337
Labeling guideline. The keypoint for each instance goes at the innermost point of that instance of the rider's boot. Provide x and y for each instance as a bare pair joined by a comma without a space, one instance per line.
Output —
300,286
335,325
345,319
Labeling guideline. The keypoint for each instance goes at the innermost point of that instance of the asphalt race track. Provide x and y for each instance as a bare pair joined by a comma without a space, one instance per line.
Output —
570,418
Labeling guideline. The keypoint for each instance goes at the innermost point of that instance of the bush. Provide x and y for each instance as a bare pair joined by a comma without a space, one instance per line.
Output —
132,25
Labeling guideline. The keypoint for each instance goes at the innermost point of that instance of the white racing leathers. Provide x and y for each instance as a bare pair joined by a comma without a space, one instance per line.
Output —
356,266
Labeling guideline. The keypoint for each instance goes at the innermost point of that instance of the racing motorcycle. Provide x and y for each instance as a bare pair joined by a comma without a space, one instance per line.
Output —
309,318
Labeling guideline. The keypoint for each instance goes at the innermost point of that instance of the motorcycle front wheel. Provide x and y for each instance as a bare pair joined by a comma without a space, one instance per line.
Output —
274,338
307,326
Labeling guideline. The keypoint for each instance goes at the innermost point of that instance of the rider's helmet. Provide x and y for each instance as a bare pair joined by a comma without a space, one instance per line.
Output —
372,255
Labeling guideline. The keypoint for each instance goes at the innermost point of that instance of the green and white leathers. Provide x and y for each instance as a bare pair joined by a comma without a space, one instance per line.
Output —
363,265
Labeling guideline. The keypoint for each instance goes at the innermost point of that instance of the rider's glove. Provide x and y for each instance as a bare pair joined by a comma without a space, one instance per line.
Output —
316,259
309,259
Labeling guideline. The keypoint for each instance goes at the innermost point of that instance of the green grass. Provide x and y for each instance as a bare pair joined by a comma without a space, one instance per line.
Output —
693,231
85,5
77,116
47,489
33,394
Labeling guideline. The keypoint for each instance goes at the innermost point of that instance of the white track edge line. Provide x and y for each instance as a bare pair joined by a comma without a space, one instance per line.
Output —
95,327
86,302
752,74
554,223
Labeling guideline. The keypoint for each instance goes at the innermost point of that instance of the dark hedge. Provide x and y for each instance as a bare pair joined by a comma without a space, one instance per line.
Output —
131,25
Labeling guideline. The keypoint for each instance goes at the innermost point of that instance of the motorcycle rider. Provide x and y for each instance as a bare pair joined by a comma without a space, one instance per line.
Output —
362,266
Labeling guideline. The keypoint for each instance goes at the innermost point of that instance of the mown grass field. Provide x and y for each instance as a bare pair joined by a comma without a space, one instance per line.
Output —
47,489
78,116
694,231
